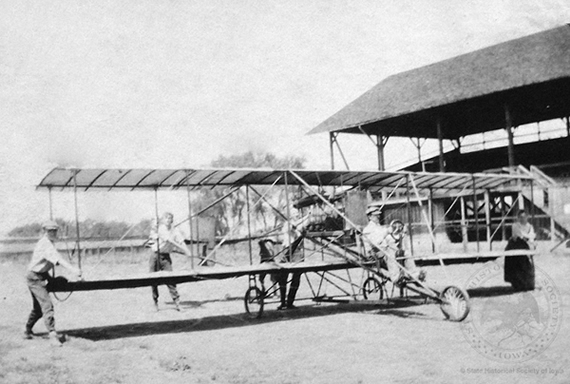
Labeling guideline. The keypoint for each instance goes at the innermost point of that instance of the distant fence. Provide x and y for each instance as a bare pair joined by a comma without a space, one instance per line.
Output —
22,248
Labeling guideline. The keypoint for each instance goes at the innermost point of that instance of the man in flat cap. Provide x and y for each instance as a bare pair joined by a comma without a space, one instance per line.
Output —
44,258
375,238
166,238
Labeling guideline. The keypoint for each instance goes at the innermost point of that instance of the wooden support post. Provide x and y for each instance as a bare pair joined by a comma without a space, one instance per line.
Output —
248,225
409,215
77,220
532,202
552,231
464,238
288,217
380,145
475,211
431,218
198,243
488,219
503,213
341,153
510,136
190,220
50,204
419,147
157,260
331,146
440,139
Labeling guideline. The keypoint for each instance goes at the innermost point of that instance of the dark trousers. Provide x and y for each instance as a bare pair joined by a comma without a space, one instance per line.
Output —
288,299
42,305
162,263
519,270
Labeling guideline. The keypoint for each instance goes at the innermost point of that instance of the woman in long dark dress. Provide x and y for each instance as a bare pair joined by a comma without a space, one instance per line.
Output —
519,270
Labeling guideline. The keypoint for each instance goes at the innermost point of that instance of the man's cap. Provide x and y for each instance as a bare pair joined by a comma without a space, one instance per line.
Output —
50,224
373,210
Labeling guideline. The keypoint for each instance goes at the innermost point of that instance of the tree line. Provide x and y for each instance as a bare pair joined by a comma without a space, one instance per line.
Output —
88,229
228,214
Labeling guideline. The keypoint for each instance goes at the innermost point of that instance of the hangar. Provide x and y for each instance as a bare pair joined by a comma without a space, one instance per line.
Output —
492,91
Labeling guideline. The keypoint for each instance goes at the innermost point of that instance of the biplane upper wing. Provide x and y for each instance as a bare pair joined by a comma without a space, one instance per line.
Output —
125,179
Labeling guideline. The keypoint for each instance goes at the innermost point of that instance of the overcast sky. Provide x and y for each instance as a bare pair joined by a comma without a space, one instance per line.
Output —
141,83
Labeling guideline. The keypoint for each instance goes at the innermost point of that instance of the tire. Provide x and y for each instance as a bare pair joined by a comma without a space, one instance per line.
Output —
253,301
372,289
454,303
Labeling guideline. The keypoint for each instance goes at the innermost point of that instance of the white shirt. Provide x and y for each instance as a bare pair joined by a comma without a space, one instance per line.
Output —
165,239
45,256
526,232
374,235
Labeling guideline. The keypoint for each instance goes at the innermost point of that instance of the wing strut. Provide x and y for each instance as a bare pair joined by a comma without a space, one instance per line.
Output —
428,224
77,219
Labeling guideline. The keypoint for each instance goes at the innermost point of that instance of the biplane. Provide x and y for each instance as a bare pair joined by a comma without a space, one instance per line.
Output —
321,228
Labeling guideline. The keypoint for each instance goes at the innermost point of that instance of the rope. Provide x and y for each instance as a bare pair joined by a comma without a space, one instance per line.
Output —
60,299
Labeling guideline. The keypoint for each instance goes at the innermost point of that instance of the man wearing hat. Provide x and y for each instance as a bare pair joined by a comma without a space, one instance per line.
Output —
44,258
375,235
166,239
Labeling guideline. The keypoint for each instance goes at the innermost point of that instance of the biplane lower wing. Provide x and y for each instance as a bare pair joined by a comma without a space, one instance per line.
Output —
469,258
199,274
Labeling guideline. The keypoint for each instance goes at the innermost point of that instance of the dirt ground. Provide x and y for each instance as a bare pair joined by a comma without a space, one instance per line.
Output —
117,337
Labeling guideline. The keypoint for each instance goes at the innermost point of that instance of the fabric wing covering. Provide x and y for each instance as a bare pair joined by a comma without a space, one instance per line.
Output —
125,179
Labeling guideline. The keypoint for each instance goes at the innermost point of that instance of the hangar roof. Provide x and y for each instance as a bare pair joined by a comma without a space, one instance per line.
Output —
468,92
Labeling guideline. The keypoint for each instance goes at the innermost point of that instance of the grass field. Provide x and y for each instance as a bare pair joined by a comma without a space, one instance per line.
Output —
117,337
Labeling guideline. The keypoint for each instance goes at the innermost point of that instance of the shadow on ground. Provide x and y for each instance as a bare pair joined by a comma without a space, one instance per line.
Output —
122,331
398,307
196,303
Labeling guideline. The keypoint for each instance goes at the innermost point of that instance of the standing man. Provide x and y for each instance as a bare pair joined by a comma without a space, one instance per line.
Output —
167,239
291,253
44,258
287,299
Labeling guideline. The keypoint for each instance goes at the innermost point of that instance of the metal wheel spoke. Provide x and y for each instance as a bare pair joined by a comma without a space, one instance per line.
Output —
454,303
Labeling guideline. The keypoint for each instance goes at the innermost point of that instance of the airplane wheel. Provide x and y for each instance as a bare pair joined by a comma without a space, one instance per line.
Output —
454,303
253,301
372,289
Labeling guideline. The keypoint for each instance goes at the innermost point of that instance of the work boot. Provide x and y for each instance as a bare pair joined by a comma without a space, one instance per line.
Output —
28,334
55,339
